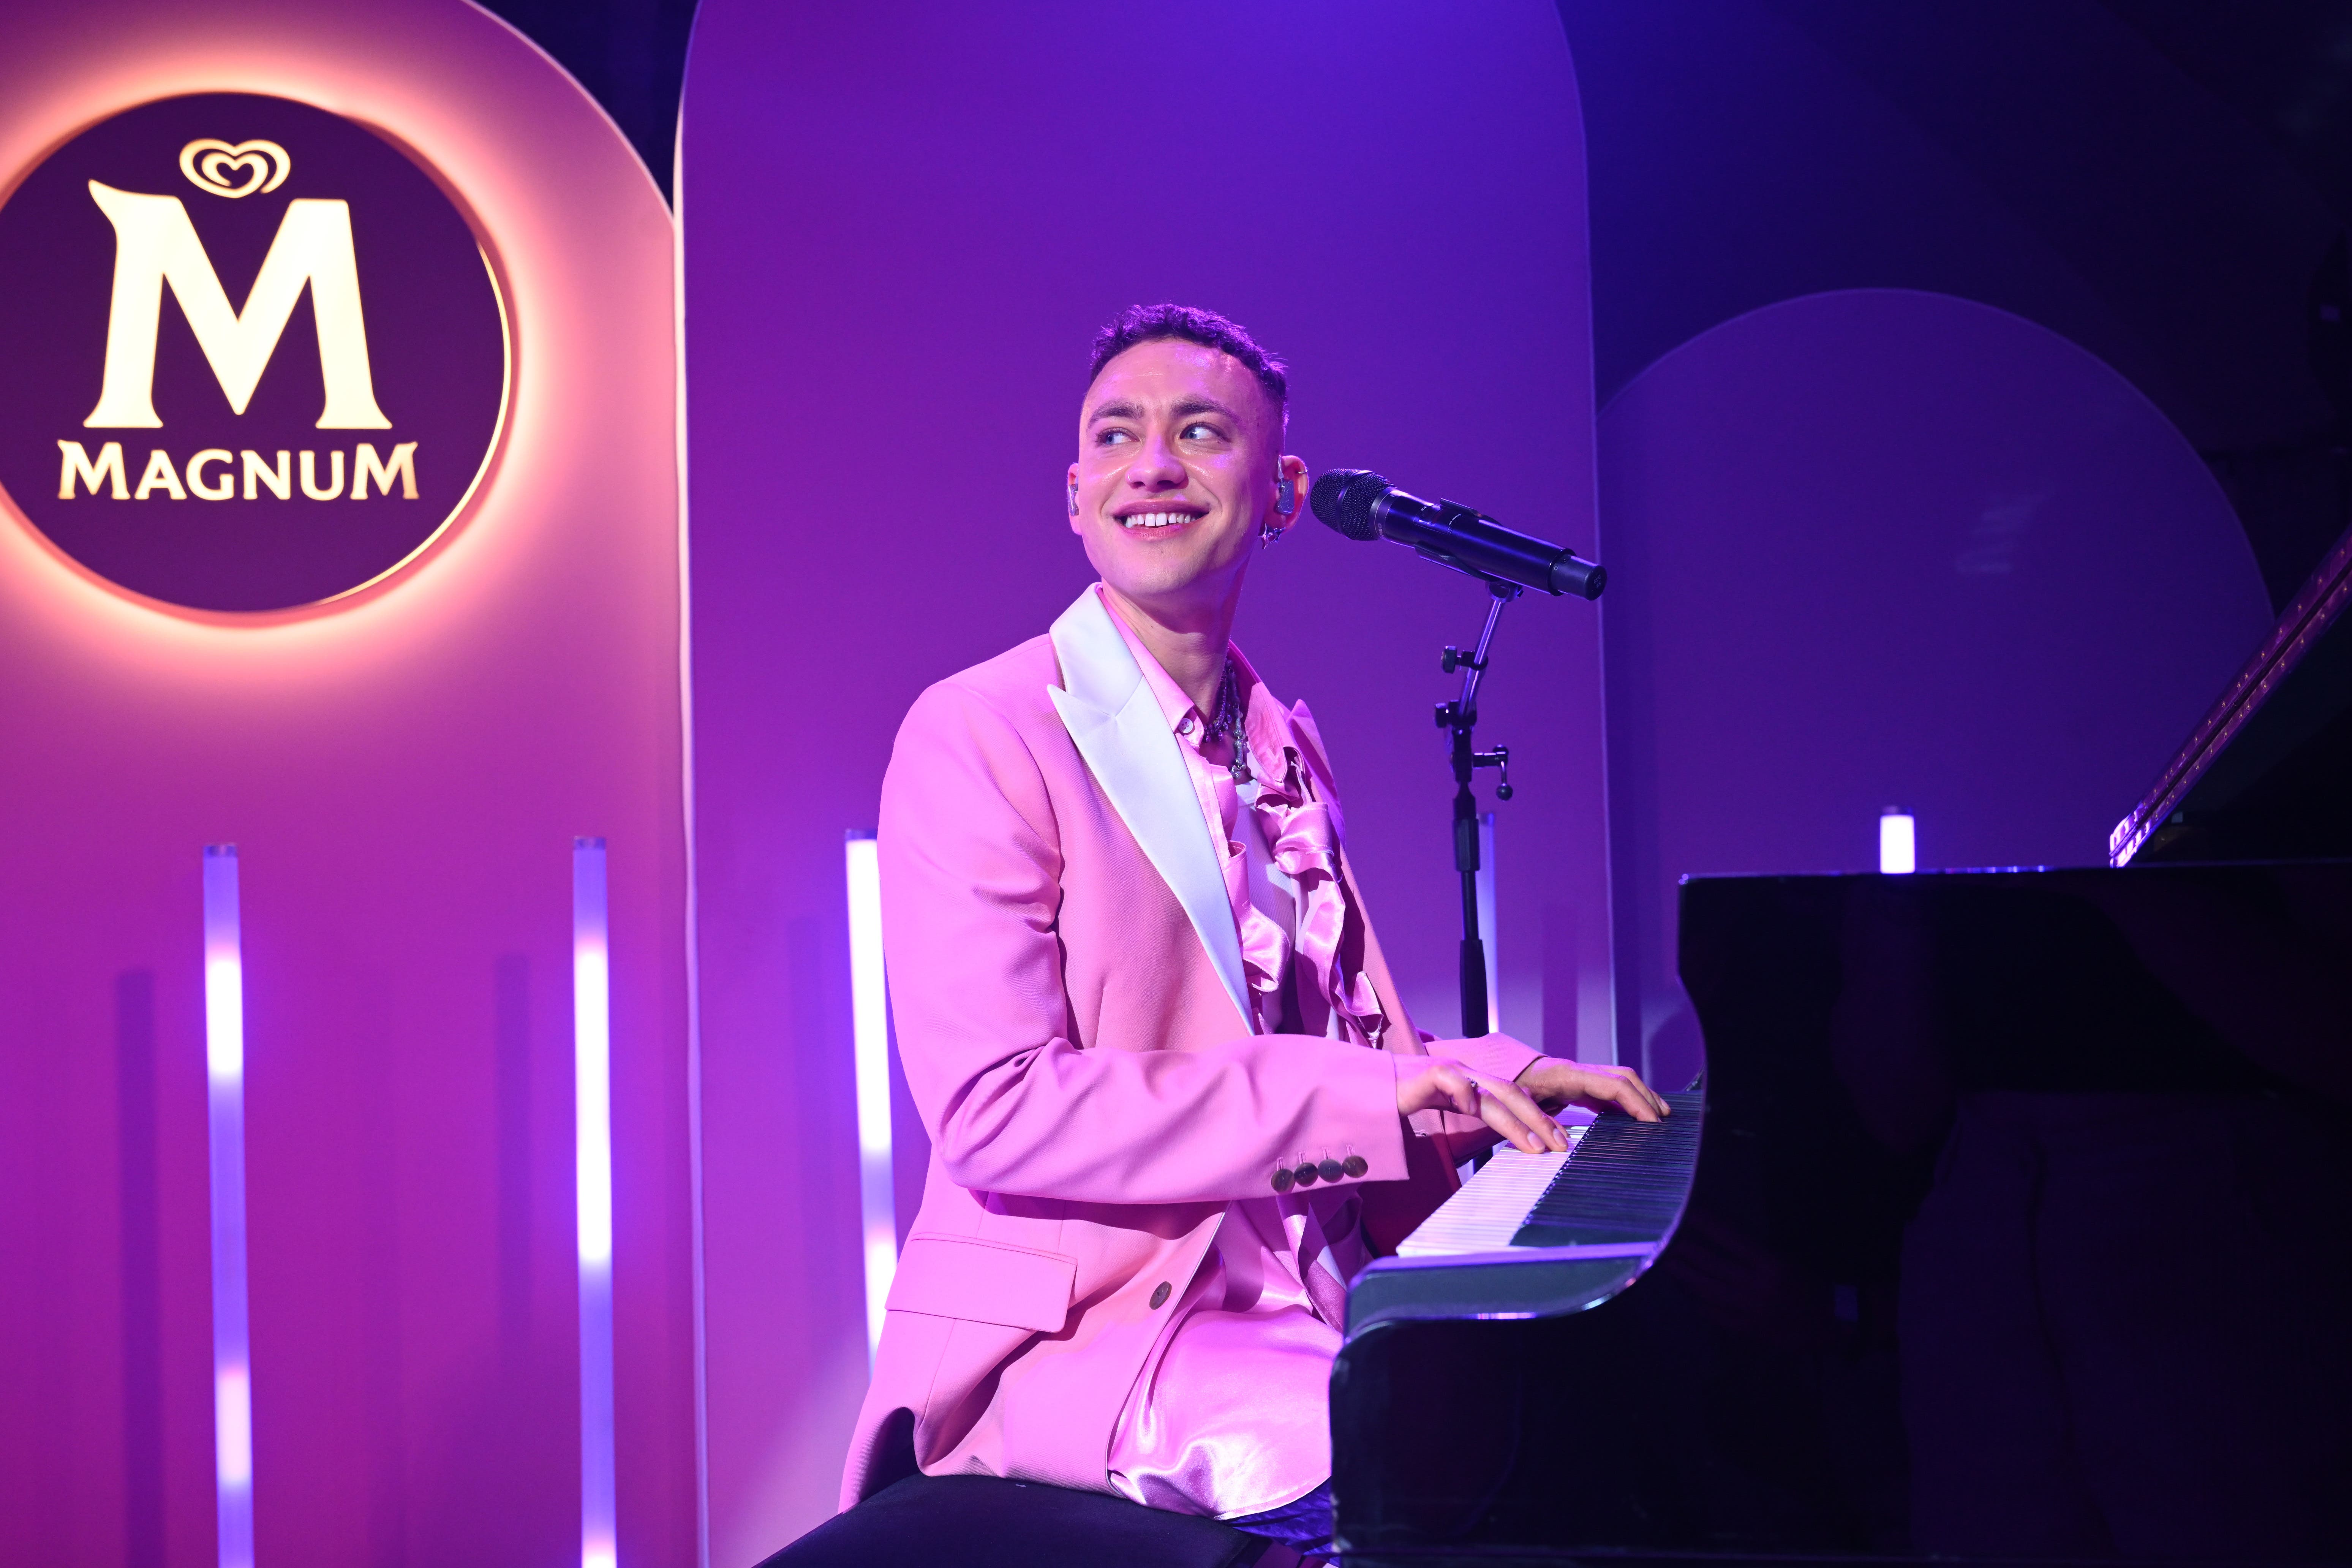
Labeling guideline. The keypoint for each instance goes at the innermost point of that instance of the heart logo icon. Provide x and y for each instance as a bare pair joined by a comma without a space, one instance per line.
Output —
234,171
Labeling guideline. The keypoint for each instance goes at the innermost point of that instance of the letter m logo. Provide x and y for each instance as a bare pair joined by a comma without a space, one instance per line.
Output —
154,244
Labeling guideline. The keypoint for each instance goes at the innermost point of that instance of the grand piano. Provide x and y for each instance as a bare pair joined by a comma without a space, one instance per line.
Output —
2010,1219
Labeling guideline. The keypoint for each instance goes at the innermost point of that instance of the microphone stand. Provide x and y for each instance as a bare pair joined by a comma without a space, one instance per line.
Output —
1460,716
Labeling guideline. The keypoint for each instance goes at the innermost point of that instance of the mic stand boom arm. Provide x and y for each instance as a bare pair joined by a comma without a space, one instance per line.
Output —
1460,716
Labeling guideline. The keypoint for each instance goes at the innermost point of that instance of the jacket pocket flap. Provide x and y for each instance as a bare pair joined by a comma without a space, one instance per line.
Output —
984,1281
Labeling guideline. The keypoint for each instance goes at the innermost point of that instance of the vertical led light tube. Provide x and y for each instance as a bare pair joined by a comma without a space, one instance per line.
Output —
1898,845
224,1099
591,1089
869,1014
1487,934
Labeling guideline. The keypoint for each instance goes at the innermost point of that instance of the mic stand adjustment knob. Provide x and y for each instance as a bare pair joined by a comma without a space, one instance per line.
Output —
1500,758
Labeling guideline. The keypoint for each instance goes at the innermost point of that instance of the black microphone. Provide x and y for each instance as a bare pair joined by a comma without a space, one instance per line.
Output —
1362,505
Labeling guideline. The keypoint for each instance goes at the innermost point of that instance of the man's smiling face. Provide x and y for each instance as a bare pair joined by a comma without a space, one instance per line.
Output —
1178,445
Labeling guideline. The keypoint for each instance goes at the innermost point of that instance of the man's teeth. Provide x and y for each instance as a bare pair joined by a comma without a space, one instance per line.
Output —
1155,519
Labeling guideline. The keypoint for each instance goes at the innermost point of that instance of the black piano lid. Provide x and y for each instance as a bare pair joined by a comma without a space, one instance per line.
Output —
2017,1219
2267,774
2156,978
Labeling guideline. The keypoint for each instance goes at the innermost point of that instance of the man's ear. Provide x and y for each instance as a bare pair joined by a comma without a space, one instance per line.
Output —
1294,474
1071,486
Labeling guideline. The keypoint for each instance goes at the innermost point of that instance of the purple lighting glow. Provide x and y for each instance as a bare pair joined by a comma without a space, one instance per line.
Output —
1486,932
591,1052
870,1039
1899,849
225,1096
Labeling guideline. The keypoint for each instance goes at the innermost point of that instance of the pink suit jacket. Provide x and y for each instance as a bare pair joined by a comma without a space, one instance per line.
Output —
1067,986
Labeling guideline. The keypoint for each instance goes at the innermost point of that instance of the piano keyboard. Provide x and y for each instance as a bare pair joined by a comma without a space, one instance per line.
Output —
1535,1235
1492,1205
1615,1193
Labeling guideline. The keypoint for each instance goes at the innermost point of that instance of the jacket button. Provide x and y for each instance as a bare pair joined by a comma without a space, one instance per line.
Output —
1330,1170
1354,1165
1283,1179
1160,1296
1307,1175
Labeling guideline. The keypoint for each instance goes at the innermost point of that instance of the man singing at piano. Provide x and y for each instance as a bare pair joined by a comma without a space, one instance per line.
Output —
1173,1097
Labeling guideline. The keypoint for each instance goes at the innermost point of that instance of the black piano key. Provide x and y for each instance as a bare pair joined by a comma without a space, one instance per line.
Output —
1624,1184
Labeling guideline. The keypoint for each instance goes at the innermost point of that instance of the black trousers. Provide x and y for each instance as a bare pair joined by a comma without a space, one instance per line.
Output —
981,1521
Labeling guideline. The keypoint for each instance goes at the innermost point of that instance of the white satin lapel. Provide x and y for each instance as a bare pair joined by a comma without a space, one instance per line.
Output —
1123,734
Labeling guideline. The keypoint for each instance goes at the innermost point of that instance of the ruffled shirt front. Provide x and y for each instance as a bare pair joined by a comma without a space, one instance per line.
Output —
1228,1416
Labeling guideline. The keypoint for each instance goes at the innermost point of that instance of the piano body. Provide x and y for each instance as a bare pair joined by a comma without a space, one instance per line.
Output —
2012,1219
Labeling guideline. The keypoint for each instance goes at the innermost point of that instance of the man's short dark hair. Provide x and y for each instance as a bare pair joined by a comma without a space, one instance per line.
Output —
1149,323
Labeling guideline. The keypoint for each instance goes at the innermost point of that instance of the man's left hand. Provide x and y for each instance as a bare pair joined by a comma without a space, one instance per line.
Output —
1555,1081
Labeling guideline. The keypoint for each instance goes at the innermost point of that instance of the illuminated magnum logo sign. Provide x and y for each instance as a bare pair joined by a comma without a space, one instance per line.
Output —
252,356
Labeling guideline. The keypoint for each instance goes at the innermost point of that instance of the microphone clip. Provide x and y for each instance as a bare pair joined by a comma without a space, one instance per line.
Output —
1500,758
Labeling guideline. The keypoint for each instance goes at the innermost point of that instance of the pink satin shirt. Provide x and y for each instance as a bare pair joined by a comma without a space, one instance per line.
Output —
1228,1416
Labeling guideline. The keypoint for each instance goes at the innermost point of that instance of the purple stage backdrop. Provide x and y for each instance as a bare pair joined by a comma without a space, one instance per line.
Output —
1884,548
402,773
903,222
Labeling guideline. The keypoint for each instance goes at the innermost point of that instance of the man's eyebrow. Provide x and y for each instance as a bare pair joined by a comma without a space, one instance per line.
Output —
1121,408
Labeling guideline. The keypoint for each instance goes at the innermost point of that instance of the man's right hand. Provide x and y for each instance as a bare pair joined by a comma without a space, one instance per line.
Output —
1434,1083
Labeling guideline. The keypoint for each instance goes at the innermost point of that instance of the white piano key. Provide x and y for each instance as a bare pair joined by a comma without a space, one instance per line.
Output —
1492,1205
